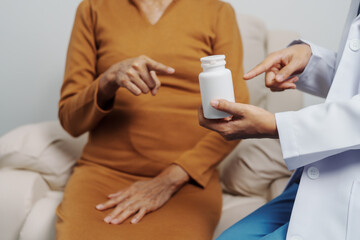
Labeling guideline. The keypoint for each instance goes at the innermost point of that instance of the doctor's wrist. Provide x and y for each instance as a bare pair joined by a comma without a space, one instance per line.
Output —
269,129
274,131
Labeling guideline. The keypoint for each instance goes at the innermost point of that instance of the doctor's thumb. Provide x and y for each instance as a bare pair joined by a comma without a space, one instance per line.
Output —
287,71
226,106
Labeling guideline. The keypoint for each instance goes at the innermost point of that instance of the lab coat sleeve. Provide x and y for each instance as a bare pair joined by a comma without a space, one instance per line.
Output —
319,131
317,77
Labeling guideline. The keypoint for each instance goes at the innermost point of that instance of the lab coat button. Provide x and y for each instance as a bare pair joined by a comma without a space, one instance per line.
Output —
313,173
355,45
295,238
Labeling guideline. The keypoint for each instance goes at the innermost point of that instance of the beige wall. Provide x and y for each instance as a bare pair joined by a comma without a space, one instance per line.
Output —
320,21
34,37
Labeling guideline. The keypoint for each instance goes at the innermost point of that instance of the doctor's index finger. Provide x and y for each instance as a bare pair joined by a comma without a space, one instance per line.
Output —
263,67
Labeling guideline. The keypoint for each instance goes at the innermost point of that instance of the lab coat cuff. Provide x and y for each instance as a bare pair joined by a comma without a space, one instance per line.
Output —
287,135
306,82
316,50
312,62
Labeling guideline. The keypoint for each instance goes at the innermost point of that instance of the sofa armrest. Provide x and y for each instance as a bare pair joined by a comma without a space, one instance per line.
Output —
40,223
19,191
44,148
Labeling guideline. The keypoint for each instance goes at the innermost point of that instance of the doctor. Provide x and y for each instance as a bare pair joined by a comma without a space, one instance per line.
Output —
322,199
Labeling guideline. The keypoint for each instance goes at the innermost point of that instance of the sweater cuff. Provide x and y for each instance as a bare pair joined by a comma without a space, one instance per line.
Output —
81,113
96,102
201,178
201,164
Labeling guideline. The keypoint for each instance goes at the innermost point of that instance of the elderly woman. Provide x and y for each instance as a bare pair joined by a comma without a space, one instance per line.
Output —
148,169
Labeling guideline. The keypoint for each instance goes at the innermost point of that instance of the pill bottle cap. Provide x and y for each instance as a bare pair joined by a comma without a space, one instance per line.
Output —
213,61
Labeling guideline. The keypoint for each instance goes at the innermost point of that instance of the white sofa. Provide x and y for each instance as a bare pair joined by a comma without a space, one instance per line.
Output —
36,160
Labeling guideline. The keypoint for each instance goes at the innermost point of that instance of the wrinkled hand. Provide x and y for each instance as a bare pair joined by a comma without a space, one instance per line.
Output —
247,121
281,65
138,75
144,197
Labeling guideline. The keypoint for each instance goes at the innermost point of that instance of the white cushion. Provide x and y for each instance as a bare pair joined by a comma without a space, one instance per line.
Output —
45,148
40,223
19,191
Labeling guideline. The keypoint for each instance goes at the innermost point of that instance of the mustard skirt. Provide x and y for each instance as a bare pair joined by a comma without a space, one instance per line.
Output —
191,213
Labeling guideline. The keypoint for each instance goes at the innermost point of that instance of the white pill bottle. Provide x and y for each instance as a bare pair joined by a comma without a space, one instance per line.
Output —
215,83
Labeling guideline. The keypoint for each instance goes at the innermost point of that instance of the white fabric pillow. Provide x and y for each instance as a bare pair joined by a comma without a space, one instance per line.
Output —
44,148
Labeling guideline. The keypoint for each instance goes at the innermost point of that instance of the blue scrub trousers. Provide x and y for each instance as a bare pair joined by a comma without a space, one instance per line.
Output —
269,222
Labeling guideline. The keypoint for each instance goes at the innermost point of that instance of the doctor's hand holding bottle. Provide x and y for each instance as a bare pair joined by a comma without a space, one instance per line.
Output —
249,121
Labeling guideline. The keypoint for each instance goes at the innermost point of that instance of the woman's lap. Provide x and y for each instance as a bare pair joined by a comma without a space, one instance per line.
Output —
192,213
269,222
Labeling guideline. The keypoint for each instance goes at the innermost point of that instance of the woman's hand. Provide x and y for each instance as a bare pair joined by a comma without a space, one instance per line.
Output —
281,65
143,197
138,75
247,121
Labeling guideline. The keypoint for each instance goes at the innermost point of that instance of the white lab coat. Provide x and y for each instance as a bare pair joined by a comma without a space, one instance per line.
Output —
323,143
